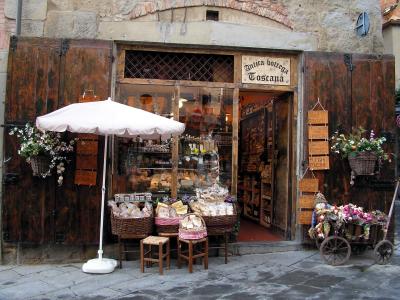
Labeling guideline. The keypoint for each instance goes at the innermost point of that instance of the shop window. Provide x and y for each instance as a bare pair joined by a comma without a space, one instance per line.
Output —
178,66
205,152
145,165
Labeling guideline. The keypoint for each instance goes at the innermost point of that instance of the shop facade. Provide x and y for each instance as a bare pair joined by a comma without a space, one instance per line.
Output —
245,108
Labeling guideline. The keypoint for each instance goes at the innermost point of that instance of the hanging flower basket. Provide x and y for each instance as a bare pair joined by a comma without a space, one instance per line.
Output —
40,165
363,163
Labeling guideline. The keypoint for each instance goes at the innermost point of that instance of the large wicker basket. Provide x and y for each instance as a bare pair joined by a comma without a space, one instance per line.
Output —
221,224
39,164
192,234
167,225
137,227
363,163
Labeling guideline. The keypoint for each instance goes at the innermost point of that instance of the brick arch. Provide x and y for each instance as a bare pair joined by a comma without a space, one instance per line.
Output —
263,8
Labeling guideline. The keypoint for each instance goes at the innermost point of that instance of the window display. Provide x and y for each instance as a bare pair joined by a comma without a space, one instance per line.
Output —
145,165
205,150
203,153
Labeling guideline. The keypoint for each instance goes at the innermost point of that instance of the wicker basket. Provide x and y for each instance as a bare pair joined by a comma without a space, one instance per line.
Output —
167,225
40,165
131,227
192,234
363,163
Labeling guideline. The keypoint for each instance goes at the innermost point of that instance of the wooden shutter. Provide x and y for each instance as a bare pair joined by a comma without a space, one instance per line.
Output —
32,90
85,65
44,75
357,90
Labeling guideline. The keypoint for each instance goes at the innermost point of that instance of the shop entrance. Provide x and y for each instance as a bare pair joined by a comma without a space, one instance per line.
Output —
264,165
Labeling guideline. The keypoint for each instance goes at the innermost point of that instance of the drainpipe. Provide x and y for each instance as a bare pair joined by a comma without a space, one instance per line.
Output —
19,17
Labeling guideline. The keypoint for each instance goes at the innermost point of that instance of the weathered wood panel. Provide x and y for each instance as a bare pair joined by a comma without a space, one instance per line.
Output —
86,65
32,90
357,90
35,209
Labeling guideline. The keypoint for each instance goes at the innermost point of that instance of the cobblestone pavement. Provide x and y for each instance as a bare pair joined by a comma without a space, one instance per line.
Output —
285,275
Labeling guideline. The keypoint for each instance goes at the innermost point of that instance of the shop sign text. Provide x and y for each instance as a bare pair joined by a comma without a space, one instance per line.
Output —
265,70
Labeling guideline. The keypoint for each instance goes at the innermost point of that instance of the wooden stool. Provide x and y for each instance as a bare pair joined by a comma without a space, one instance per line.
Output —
170,236
190,255
154,241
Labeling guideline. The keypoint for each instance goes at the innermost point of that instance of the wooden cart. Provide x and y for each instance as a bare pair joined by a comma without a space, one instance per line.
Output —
336,248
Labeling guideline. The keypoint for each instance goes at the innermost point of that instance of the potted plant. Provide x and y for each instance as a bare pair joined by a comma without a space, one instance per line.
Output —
44,151
362,150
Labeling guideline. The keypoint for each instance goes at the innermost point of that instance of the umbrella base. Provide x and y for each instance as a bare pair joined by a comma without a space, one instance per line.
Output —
99,266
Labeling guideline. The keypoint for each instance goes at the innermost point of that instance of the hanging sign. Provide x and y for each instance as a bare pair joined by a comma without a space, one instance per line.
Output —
265,70
318,136
308,187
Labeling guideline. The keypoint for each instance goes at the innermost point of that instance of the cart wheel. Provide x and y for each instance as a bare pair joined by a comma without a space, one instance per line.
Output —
383,252
335,250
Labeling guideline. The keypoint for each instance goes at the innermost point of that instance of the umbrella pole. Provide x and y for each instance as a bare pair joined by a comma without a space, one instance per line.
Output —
103,196
101,265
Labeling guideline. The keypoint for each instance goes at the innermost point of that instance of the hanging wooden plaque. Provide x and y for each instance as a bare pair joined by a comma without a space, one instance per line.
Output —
317,117
318,163
85,177
318,132
318,148
306,201
305,217
86,151
308,185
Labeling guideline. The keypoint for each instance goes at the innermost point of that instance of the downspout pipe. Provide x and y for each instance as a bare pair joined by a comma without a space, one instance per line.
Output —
19,17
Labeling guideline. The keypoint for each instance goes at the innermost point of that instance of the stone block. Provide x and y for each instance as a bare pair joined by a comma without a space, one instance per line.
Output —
66,24
3,61
32,28
31,9
61,4
84,25
59,24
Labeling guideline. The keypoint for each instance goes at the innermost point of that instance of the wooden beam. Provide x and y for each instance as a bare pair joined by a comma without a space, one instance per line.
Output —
235,141
175,144
187,83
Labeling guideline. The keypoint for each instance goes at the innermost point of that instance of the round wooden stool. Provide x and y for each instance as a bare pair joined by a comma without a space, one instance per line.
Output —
146,254
191,253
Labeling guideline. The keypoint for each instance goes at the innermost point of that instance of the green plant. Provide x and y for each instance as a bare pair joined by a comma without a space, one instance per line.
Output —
358,141
34,142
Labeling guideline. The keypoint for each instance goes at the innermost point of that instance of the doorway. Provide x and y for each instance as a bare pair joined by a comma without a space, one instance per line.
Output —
264,165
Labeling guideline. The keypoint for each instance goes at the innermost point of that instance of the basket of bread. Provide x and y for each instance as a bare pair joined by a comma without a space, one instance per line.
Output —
192,227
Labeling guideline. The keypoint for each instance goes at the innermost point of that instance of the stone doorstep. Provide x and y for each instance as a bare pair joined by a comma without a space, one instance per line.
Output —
70,254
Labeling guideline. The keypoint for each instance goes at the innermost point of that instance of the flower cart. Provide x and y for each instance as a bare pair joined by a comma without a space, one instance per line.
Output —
346,229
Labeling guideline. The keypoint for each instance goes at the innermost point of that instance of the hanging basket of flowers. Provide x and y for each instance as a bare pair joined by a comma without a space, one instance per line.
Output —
363,163
39,164
364,152
44,151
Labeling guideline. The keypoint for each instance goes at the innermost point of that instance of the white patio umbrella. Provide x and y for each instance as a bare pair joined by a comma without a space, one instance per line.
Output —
107,118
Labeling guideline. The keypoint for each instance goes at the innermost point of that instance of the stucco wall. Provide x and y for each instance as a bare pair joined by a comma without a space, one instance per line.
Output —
325,25
391,35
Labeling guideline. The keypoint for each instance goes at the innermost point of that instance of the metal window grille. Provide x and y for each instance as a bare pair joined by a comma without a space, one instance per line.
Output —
178,66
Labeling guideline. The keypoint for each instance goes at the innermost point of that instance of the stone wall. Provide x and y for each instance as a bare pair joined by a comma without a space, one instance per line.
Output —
325,25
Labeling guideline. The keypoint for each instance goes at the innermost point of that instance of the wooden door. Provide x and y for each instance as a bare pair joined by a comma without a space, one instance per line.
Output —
283,163
32,90
44,75
85,65
357,90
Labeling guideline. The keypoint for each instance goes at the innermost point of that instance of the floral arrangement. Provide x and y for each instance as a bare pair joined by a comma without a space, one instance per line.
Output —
358,141
34,143
327,215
